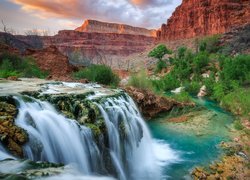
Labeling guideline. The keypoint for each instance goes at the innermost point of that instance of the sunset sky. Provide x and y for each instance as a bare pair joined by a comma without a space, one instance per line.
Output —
54,15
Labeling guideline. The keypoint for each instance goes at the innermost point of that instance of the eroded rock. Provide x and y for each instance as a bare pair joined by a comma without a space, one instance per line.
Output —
150,104
11,135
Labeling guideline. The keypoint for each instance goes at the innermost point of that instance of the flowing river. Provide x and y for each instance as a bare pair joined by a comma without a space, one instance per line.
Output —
192,148
132,149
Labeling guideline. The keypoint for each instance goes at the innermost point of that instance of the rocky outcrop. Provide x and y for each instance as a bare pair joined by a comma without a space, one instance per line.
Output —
150,105
99,48
84,48
205,17
11,135
52,60
105,27
237,40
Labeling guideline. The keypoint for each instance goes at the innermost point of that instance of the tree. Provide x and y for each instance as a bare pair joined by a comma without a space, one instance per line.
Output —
35,38
159,52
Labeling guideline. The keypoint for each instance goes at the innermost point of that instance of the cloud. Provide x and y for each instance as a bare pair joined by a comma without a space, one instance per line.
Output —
144,13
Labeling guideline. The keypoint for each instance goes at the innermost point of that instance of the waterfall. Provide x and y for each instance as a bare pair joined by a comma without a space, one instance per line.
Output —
132,153
55,138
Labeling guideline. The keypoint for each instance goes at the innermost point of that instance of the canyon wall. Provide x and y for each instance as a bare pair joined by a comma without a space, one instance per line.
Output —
84,48
105,27
205,17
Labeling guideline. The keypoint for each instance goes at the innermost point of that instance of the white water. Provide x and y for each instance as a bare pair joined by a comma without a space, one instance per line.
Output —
54,138
134,156
4,154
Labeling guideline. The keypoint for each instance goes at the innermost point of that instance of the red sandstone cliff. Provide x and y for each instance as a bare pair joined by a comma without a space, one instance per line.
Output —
51,60
98,48
205,17
105,27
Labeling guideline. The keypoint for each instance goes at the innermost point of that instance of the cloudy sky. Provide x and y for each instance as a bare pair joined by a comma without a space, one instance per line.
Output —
54,15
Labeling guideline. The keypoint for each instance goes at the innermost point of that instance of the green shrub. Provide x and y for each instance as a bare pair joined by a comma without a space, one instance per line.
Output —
182,97
192,87
200,61
210,44
32,70
219,90
161,64
13,65
238,125
166,83
141,81
237,101
236,68
98,73
159,52
209,83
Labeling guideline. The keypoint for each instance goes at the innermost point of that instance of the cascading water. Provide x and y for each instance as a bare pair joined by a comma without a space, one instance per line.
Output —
54,138
131,150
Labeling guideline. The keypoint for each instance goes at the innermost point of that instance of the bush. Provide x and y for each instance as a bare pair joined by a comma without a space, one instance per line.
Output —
219,90
141,81
167,83
182,97
161,64
159,52
13,65
210,44
237,101
192,87
236,68
98,73
200,61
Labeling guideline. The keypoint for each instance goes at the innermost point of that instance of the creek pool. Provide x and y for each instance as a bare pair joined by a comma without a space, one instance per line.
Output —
192,149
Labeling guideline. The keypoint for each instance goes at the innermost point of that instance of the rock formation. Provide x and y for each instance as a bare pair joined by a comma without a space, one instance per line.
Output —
150,105
205,17
105,27
52,60
84,48
11,135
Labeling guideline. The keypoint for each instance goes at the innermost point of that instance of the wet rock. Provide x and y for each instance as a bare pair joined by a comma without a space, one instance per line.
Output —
11,135
151,105
13,78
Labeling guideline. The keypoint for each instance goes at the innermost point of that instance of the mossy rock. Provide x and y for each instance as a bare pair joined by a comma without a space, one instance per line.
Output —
11,136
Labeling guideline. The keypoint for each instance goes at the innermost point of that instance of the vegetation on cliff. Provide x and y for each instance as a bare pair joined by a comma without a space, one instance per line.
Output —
98,73
14,65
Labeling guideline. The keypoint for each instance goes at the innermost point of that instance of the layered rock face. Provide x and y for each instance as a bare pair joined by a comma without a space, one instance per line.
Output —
104,27
84,48
98,48
205,17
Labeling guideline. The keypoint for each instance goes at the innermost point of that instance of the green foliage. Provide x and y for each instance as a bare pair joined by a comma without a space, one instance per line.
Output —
98,73
159,52
237,101
200,61
166,83
219,91
161,64
238,125
13,65
192,87
236,68
182,97
209,44
140,80
210,83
